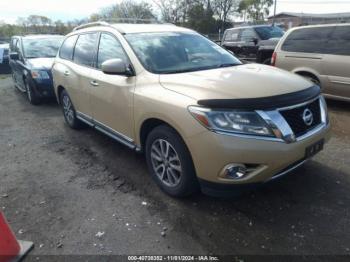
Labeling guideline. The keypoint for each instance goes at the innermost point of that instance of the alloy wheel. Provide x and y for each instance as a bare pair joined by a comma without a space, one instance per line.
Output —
68,110
166,163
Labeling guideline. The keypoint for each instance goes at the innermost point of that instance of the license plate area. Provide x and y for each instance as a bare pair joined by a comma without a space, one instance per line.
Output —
313,149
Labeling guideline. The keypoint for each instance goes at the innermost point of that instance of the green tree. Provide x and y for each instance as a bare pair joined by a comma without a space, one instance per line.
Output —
126,10
225,8
256,10
200,18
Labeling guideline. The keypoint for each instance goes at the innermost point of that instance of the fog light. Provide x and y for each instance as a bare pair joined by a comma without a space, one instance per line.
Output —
235,171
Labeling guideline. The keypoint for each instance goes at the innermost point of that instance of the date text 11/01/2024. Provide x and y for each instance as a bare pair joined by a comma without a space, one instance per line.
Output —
173,258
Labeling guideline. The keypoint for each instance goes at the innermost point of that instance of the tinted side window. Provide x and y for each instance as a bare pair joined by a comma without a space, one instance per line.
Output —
18,49
232,35
109,48
66,51
84,49
247,34
308,40
13,44
339,44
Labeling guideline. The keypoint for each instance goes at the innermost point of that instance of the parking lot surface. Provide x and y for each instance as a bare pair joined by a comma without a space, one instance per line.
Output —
79,192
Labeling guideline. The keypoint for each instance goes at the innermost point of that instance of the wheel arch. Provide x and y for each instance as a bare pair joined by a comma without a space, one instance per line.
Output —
148,125
307,72
59,91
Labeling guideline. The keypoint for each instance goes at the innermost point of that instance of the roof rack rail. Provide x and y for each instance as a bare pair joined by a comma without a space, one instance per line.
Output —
98,23
133,20
108,22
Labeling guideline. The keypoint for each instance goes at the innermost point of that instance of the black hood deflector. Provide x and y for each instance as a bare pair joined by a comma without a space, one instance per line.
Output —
270,102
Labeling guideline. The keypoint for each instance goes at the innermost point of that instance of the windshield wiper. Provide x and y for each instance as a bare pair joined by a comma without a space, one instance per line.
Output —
228,65
185,70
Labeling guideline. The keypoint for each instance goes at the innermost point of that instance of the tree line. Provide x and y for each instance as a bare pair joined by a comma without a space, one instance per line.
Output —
204,16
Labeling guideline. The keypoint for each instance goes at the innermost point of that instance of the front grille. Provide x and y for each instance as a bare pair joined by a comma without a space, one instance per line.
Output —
294,117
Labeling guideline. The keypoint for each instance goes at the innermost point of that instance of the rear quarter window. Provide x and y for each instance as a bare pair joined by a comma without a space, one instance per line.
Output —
231,35
339,43
66,50
308,40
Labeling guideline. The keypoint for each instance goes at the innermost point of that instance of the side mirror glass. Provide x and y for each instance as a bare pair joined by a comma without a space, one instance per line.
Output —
115,66
14,56
254,40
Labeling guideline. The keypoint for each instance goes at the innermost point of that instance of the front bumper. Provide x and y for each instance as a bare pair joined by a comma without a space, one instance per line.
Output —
211,152
43,87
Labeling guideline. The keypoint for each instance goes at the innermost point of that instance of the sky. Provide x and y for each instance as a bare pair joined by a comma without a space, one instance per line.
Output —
65,10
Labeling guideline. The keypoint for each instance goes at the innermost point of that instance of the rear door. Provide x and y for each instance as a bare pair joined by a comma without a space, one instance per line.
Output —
231,42
112,95
11,61
18,65
337,62
249,40
303,50
81,72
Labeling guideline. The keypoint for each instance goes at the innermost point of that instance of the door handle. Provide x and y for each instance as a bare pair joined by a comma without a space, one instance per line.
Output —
93,83
66,73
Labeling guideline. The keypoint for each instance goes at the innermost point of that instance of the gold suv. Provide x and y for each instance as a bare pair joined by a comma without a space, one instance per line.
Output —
202,118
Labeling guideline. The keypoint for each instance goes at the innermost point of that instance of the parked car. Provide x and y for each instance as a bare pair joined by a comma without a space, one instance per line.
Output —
319,53
4,58
252,43
31,59
201,117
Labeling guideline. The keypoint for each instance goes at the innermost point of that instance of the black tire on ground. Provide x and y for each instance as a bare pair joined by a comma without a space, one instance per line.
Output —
187,182
33,98
69,112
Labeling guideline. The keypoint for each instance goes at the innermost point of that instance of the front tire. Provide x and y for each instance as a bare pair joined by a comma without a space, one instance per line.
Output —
170,162
31,95
69,112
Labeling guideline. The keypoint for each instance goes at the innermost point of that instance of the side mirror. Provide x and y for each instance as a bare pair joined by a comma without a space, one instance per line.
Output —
254,40
116,66
14,56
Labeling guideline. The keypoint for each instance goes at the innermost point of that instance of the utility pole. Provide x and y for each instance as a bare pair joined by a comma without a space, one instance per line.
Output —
274,13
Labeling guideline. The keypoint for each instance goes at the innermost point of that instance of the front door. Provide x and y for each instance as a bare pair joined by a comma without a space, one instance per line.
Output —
112,95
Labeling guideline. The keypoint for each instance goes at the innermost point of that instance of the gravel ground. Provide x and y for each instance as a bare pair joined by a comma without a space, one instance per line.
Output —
81,193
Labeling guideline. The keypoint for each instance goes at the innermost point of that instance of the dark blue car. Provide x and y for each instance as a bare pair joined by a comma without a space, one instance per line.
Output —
31,59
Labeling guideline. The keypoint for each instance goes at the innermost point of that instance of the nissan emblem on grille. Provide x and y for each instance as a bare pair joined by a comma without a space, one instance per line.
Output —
308,117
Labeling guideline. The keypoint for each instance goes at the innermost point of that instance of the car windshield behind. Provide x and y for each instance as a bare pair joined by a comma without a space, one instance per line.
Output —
41,47
268,32
177,52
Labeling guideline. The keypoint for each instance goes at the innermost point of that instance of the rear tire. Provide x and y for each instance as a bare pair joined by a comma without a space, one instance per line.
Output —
69,112
33,98
170,163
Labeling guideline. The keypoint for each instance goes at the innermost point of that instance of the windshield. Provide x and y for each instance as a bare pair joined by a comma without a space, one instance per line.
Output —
41,47
176,52
267,32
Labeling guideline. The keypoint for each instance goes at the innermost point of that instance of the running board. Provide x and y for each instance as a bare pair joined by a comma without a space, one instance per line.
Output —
107,131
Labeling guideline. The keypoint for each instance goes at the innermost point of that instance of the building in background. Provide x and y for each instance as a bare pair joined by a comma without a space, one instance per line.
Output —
289,20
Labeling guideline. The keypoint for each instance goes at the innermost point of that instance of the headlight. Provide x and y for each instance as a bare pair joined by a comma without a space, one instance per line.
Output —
38,74
233,121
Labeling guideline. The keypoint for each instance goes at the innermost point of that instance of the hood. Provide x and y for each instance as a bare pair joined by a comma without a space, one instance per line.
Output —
239,82
41,63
